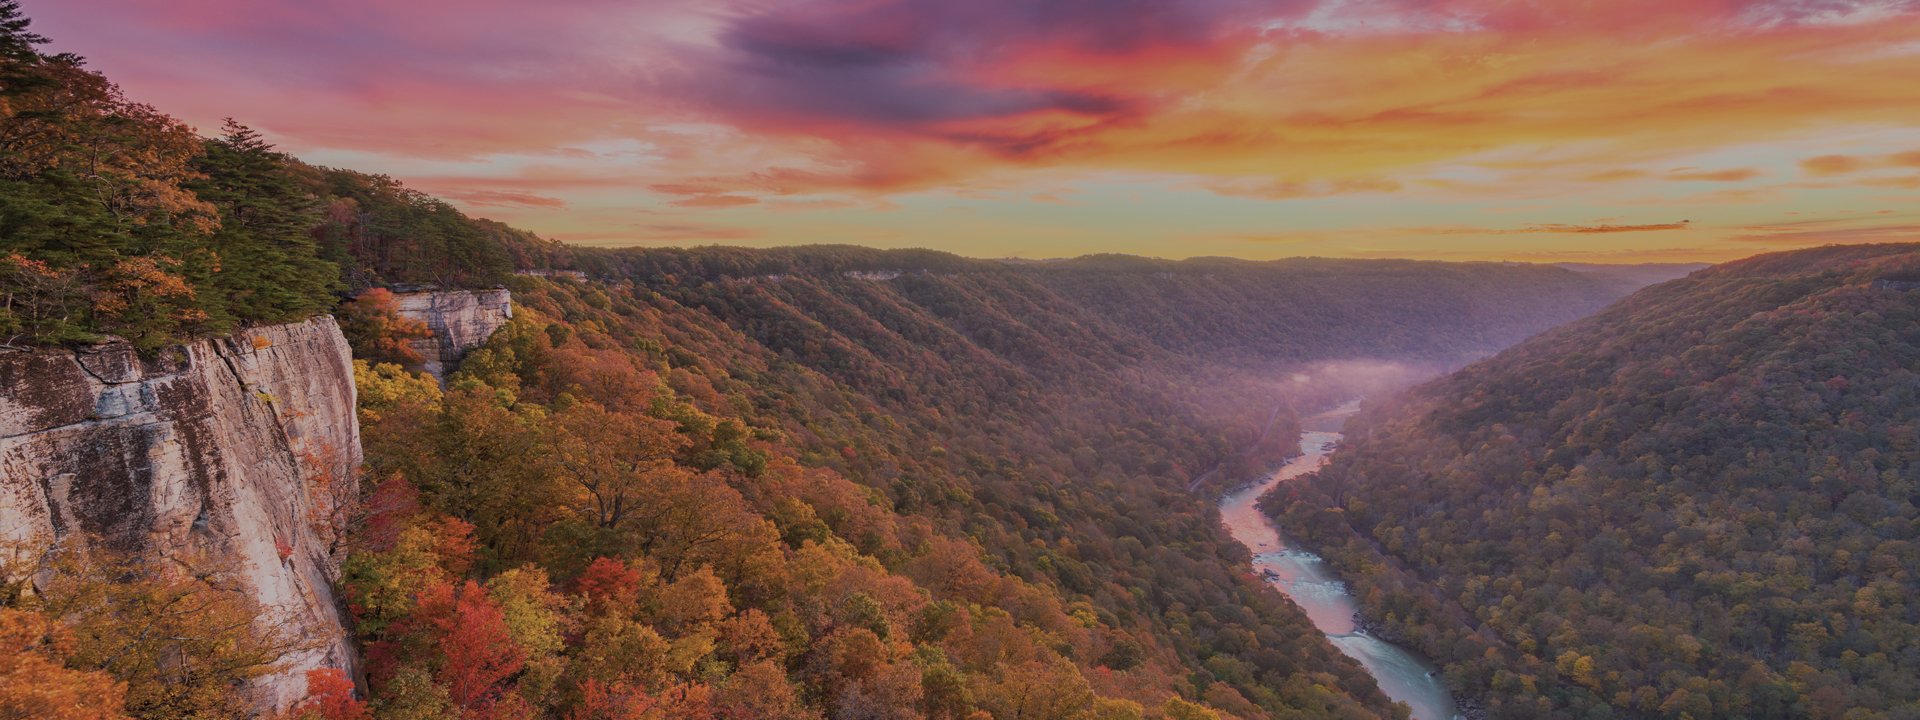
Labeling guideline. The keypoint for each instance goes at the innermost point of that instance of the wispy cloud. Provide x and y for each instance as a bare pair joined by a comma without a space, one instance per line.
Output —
1732,175
1557,228
585,115
502,199
1831,165
1830,231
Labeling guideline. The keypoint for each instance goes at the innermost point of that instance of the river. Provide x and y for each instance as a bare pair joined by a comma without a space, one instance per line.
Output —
1306,578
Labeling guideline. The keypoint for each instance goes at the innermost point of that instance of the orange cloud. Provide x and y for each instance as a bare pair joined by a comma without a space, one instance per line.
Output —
715,201
1284,190
1615,175
1826,165
1904,183
1735,175
502,198
1844,235
1600,229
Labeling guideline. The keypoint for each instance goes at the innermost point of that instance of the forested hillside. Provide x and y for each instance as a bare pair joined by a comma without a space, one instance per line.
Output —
820,482
928,421
1698,503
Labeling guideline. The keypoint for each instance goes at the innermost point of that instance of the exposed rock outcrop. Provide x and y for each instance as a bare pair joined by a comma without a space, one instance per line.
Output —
461,320
234,451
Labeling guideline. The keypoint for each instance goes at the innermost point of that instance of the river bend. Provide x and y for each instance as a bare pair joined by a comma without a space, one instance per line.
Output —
1306,578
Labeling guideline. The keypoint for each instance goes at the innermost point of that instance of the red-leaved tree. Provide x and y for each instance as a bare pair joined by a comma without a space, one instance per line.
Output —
330,697
478,654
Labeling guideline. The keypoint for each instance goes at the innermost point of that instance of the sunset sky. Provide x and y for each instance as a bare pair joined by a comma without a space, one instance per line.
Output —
1605,130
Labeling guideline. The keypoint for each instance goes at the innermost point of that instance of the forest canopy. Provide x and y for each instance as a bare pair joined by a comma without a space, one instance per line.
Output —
1700,502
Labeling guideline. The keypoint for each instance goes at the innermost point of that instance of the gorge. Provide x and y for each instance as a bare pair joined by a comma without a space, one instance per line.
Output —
544,480
1305,578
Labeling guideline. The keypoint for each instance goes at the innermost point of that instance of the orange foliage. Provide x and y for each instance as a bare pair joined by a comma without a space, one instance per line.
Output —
376,330
623,701
330,697
34,683
478,651
609,586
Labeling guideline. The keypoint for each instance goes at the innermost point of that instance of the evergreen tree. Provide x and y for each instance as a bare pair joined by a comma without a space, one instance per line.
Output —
16,41
263,263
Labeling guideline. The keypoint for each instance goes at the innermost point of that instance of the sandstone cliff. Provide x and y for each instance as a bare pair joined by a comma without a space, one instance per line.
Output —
461,320
235,451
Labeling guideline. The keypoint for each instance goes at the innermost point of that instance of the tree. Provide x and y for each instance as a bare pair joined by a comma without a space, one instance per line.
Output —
477,650
751,637
330,696
262,263
1178,709
611,587
1036,689
34,680
625,701
760,691
614,459
695,600
16,41
377,331
180,638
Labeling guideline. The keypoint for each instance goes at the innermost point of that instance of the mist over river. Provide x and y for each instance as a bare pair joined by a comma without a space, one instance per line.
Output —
1306,578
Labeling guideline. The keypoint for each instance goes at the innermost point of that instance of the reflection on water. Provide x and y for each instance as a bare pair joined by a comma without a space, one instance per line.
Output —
1305,577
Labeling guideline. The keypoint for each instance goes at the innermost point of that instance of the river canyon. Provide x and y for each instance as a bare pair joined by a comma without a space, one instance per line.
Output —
1305,578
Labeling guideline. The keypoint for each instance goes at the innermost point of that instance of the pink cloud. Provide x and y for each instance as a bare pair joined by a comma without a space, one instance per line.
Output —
736,103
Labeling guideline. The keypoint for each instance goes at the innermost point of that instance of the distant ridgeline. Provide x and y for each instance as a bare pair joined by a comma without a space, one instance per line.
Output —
793,483
1700,502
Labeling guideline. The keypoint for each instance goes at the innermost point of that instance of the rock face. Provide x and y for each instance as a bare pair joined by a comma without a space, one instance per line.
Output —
461,320
234,451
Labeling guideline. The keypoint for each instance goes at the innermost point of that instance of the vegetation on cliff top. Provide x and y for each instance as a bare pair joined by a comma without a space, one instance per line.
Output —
117,219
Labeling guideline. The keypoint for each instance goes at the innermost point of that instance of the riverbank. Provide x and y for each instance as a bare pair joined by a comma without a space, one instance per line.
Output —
1305,577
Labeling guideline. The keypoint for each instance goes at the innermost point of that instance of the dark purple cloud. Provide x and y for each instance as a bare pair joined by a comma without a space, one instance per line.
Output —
911,63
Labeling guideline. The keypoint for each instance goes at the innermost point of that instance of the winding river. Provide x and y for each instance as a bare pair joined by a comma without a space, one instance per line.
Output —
1306,578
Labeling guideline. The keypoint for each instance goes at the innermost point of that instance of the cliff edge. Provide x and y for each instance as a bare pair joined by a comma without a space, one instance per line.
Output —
461,320
238,451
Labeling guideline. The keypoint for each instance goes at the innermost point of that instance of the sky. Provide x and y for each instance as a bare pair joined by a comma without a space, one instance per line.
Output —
1532,130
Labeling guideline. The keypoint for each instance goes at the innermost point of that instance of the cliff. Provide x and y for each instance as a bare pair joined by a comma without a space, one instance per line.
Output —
234,452
460,319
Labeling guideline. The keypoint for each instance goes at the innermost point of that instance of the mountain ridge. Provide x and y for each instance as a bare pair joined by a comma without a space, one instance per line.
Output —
1721,448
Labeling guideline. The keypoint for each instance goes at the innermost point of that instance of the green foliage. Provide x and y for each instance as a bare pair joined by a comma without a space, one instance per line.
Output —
266,266
115,218
382,232
1699,503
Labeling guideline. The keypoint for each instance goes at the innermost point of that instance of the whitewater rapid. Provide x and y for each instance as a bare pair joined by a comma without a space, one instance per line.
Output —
1306,578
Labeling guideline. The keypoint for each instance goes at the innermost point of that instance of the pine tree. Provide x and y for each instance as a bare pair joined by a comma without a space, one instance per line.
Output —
16,41
263,263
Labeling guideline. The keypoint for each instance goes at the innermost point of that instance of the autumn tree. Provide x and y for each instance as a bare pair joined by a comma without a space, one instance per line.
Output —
378,332
330,696
35,681
614,458
180,638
